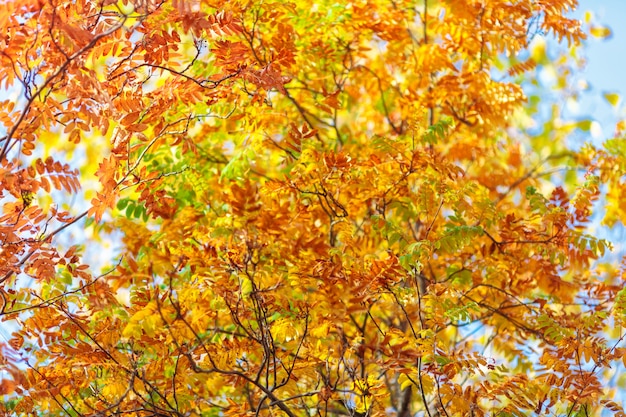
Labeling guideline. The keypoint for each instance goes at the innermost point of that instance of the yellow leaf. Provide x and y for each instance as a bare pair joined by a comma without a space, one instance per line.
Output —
404,381
246,286
427,383
612,98
321,330
113,390
146,319
538,50
602,32
131,330
584,125
214,383
283,330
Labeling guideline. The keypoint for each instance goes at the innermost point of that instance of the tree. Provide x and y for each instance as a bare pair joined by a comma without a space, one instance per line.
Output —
324,209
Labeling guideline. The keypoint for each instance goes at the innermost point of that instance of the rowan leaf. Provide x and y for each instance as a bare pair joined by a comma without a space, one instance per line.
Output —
293,208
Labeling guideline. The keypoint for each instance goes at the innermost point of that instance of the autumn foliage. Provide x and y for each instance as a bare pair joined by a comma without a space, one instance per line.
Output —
311,208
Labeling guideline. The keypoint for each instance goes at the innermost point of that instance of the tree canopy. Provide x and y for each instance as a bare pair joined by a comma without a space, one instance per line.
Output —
311,209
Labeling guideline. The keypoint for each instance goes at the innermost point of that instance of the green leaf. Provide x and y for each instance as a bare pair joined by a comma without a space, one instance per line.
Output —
139,211
130,209
121,205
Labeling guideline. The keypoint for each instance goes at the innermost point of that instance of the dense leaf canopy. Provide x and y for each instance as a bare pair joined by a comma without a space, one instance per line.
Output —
317,208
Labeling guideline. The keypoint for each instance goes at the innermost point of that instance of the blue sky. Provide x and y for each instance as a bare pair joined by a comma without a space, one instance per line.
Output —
607,58
606,63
